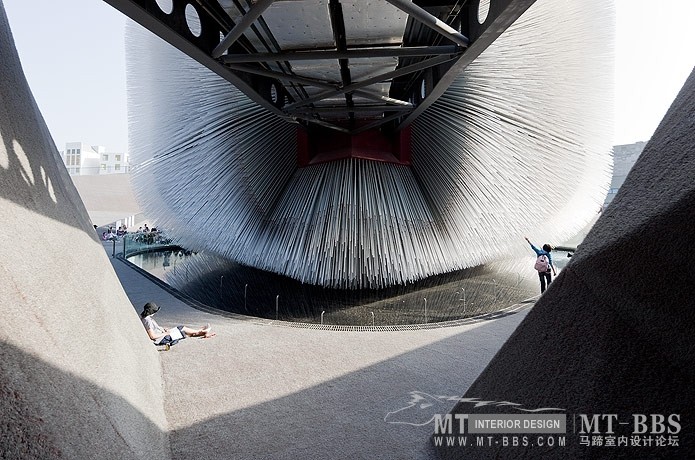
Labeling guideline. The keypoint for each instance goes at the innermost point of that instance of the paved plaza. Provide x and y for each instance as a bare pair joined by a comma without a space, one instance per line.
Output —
260,390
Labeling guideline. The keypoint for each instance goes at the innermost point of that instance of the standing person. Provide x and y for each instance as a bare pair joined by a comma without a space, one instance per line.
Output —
544,263
162,336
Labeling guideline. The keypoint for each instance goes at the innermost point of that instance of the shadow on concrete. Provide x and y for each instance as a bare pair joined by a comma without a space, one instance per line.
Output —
32,174
49,413
370,413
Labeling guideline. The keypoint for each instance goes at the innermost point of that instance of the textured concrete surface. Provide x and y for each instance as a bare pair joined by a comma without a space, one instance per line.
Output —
258,391
77,377
614,332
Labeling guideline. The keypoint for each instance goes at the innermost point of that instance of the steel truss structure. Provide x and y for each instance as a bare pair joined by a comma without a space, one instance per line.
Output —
411,53
366,144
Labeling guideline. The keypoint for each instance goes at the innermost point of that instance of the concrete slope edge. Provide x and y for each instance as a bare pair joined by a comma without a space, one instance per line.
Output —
610,369
614,332
77,377
510,310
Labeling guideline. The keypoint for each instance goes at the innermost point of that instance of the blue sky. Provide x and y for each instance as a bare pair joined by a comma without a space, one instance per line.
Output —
73,56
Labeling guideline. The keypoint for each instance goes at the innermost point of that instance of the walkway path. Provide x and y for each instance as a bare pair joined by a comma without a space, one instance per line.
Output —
265,391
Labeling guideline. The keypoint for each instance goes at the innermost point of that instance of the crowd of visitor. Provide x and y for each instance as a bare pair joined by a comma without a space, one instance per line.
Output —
144,234
114,235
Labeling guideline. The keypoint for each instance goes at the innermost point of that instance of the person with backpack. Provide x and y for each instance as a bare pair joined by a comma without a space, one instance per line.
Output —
544,264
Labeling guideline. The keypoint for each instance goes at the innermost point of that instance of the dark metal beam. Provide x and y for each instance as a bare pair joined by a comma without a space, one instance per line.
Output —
323,123
443,65
348,54
317,83
370,81
356,108
173,29
335,10
285,77
501,15
254,13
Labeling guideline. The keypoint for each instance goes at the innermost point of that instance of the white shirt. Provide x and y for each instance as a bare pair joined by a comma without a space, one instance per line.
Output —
150,323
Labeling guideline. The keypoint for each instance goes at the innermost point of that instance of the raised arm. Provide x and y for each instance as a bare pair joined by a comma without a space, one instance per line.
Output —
535,249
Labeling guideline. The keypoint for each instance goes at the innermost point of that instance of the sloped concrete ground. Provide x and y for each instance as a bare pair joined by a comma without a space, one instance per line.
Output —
258,391
614,333
77,378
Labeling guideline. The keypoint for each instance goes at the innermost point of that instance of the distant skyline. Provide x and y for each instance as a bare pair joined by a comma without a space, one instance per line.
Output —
73,56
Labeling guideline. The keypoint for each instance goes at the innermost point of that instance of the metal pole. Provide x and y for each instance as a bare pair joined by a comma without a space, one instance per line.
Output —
244,23
245,286
380,97
357,108
425,299
113,253
372,319
124,238
376,123
322,316
277,299
431,21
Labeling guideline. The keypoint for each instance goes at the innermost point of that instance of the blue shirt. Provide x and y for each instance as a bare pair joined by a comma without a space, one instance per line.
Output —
540,252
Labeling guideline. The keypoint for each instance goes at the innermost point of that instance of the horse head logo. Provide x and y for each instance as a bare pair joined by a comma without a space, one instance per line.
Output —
422,407
420,410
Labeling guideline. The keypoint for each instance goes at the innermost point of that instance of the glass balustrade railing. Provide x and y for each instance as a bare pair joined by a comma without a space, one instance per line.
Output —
134,243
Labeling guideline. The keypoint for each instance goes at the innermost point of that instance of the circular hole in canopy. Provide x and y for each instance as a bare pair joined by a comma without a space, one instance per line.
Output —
167,6
483,10
193,20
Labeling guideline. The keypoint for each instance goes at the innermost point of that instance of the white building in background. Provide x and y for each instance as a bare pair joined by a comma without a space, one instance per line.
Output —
113,162
624,156
88,160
